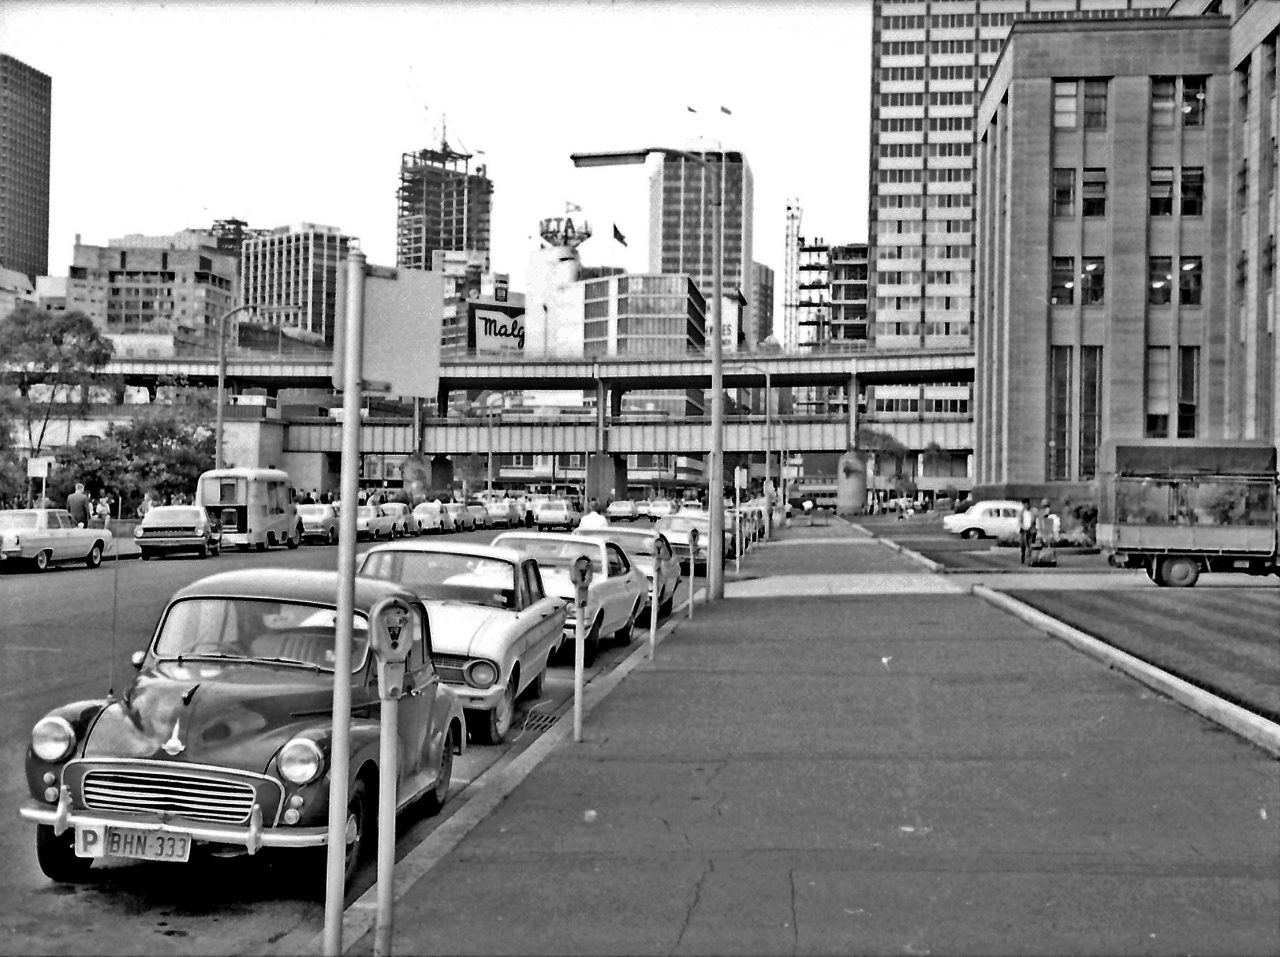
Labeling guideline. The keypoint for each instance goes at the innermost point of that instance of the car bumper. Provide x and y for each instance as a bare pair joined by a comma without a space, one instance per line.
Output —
175,543
252,836
477,699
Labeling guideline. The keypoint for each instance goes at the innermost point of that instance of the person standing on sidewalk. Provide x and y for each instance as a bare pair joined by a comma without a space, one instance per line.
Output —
78,506
1026,530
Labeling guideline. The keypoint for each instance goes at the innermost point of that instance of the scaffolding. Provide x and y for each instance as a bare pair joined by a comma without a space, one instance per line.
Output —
441,204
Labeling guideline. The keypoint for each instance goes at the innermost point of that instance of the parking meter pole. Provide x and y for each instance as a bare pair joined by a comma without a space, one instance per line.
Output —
653,605
693,567
340,757
387,774
579,655
737,526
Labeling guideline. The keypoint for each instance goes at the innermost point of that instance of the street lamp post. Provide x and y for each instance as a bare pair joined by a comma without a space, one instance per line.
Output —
715,485
222,379
768,442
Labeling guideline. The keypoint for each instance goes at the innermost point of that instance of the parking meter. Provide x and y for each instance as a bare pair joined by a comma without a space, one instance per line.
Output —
580,573
391,639
693,565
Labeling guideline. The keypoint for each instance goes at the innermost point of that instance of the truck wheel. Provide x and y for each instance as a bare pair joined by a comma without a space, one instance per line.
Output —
1180,572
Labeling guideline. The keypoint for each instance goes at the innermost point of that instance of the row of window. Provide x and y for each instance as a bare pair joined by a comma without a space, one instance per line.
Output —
916,405
1162,186
1090,277
943,98
912,150
1075,101
917,175
919,201
912,277
916,303
917,124
889,227
917,252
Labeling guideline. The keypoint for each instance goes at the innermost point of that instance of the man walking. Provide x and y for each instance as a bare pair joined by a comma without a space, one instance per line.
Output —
1026,530
78,506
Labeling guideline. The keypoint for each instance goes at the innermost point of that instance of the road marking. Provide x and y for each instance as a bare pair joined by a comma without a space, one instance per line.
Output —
31,648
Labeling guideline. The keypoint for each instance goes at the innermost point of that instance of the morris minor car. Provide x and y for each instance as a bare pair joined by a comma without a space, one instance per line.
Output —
221,742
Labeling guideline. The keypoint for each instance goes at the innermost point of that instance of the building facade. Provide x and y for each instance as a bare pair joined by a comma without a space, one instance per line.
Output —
681,229
154,296
292,274
1125,239
761,297
442,204
25,101
847,276
929,62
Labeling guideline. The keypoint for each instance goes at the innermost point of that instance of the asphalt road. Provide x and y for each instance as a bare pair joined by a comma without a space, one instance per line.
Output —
67,635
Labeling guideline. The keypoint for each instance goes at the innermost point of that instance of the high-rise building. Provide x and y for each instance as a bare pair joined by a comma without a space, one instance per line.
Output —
292,271
847,275
1126,266
762,301
25,97
929,62
442,205
681,231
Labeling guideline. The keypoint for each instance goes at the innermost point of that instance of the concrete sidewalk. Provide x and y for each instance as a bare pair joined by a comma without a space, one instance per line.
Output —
892,769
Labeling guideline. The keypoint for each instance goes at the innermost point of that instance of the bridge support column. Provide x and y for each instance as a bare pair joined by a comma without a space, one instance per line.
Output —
616,392
606,477
441,472
851,436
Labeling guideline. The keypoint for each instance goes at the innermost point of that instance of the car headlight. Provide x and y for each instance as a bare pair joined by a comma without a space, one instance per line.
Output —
52,738
481,674
137,531
301,761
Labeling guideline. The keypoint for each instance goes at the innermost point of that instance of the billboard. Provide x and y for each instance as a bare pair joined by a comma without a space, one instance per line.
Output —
494,327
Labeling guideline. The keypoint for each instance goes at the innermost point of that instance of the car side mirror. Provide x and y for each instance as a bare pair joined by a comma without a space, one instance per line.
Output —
137,658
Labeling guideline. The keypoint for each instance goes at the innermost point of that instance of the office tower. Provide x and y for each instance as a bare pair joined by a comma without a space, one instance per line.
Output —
442,205
153,294
761,297
929,62
847,276
680,228
25,96
292,272
1126,240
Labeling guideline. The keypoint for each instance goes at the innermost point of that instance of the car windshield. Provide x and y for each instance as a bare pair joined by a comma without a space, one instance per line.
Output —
249,629
14,520
555,506
553,554
682,523
168,515
636,543
311,511
445,576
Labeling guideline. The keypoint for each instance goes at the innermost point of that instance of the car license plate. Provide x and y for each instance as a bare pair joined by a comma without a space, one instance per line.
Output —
130,842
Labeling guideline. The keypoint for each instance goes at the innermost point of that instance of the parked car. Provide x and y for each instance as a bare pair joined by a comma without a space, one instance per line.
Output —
41,537
222,737
493,626
662,507
402,519
615,596
991,518
373,521
479,513
557,513
431,517
319,523
167,529
676,528
651,553
622,509
462,519
502,511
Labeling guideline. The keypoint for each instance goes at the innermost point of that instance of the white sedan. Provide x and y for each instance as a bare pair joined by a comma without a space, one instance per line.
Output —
431,517
43,536
650,552
493,625
615,597
995,518
621,509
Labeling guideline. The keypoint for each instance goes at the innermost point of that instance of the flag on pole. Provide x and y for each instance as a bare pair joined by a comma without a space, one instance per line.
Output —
617,234
572,208
691,109
726,110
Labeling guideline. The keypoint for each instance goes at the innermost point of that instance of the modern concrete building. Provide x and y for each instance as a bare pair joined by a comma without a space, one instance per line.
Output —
929,62
155,296
761,298
16,289
1125,255
442,204
292,271
847,275
25,99
680,228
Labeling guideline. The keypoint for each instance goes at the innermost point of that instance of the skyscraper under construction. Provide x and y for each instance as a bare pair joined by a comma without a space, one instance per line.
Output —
442,204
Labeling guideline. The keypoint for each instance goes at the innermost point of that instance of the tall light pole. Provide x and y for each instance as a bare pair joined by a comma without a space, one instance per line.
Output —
222,379
715,484
768,441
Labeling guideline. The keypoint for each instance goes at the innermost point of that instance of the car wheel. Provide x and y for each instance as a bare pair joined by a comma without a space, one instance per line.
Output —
358,822
56,855
204,550
41,561
294,540
533,690
665,604
94,558
1179,572
439,792
333,536
490,727
592,644
624,634
261,546
215,549
971,533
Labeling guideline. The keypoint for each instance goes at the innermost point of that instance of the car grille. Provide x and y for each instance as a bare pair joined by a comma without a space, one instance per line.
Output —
166,531
450,667
189,794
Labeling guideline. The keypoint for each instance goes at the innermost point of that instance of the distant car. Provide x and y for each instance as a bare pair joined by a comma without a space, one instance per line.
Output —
557,513
479,514
677,527
319,523
431,517
44,536
615,597
662,507
167,529
493,627
991,518
503,511
402,519
221,743
651,553
372,521
462,519
622,509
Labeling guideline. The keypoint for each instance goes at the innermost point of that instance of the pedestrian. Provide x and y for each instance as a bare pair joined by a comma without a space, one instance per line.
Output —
594,518
102,511
78,506
146,505
1026,530
807,505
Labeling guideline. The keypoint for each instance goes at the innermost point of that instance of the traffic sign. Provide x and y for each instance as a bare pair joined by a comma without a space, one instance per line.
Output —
403,311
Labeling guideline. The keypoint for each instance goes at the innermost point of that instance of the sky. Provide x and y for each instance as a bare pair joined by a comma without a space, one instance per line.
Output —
167,116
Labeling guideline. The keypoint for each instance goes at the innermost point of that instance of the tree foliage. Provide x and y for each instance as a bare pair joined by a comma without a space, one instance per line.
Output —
47,358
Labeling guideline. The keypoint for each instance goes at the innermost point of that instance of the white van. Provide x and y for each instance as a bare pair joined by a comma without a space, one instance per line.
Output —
255,507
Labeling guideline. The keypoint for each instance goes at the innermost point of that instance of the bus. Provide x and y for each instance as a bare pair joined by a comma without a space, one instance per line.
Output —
255,507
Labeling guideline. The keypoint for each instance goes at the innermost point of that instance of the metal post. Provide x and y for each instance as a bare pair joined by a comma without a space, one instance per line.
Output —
653,604
388,718
715,494
737,524
340,758
579,658
222,389
768,446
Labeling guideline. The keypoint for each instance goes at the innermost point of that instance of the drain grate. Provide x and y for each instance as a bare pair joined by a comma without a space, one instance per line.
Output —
536,721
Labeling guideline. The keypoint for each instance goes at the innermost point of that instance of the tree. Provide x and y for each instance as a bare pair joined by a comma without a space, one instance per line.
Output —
168,449
102,464
61,352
